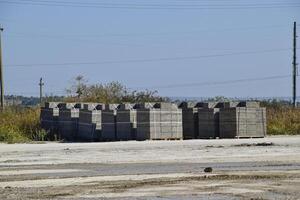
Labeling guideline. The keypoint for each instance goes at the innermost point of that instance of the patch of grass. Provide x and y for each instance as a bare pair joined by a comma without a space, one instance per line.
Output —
19,124
283,120
10,135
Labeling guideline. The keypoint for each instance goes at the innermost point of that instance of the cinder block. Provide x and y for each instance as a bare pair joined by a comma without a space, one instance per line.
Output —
208,123
49,119
189,120
108,131
243,122
156,121
249,104
89,124
126,122
68,120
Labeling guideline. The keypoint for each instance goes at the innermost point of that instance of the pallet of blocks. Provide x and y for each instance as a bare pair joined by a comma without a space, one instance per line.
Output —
208,118
49,119
247,120
189,120
126,122
89,123
108,124
68,120
159,121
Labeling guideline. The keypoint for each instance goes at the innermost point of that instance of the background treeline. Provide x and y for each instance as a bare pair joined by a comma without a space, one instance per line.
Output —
22,123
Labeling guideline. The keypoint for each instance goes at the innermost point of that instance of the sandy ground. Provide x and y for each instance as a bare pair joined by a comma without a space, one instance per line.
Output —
267,168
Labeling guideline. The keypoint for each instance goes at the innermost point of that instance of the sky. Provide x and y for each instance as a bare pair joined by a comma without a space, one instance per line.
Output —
182,48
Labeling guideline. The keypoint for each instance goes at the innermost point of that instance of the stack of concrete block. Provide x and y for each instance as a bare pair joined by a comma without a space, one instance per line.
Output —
208,118
89,124
156,121
126,122
208,123
68,120
49,118
108,124
247,120
189,120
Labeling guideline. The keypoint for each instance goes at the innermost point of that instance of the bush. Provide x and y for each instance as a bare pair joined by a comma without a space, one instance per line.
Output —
112,92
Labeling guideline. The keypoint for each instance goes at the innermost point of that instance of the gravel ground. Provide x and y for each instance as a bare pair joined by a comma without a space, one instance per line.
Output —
266,168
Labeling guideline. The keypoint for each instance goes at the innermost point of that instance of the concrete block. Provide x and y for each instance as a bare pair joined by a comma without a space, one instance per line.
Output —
242,122
89,123
189,120
126,122
208,123
249,104
49,119
156,121
68,120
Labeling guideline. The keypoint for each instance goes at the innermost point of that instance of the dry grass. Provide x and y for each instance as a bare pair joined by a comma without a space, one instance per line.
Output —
20,125
283,120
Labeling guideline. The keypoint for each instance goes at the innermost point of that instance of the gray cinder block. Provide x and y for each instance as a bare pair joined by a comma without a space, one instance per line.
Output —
68,120
159,121
208,118
126,122
100,122
109,125
189,120
249,104
242,122
49,118
89,124
208,123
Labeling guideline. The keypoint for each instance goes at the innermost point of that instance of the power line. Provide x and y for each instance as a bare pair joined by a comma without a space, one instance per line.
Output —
73,37
216,82
159,7
199,3
35,93
93,39
184,85
77,40
148,59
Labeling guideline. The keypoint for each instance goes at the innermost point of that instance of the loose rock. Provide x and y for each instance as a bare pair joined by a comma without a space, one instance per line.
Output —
208,170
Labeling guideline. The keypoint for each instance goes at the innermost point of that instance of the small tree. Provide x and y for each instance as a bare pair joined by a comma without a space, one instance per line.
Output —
112,92
78,88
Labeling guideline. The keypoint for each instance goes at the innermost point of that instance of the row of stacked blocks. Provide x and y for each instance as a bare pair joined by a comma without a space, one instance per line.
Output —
223,120
100,122
154,121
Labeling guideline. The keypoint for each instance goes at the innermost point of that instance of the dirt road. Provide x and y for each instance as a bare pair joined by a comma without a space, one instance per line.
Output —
266,168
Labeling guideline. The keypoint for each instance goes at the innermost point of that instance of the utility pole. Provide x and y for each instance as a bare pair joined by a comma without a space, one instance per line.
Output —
294,66
1,74
41,84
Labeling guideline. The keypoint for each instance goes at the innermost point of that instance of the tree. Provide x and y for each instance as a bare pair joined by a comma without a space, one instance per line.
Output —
112,92
78,87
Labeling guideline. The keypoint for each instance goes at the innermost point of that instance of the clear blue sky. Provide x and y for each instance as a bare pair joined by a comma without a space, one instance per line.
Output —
150,44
